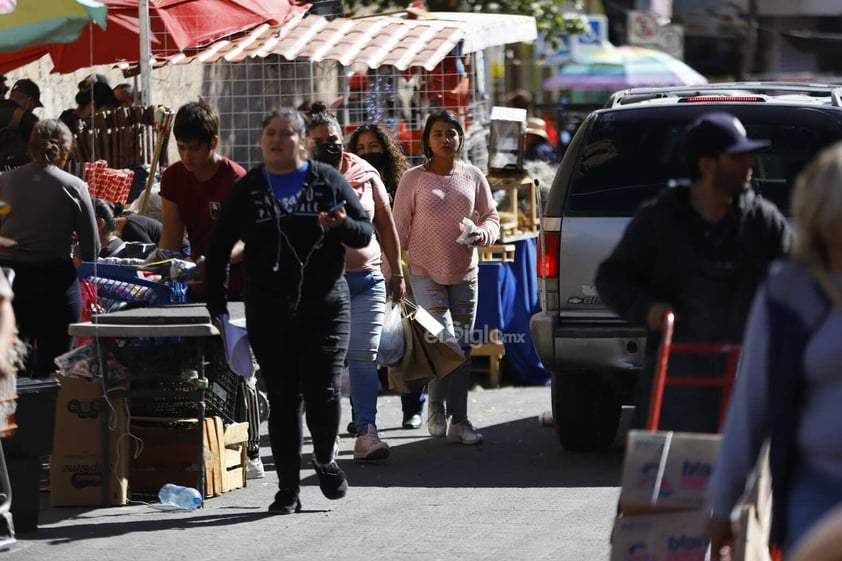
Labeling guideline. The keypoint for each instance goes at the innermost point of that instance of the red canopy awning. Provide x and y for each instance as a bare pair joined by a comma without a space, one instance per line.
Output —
175,26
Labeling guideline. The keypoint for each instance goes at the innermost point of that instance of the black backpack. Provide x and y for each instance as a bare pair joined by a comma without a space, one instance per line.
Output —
14,150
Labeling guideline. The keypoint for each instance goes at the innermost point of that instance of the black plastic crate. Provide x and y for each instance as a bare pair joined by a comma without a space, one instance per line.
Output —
176,398
157,360
35,417
169,369
170,397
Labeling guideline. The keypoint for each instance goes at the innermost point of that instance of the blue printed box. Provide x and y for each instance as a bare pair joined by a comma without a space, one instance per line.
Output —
677,464
675,536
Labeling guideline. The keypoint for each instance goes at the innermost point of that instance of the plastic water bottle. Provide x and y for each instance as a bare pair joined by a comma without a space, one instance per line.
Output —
185,498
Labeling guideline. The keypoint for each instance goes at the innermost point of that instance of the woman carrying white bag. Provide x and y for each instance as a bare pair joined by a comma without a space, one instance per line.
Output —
430,204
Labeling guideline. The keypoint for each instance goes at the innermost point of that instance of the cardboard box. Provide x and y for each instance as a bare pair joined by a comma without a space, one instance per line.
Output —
674,536
170,453
77,474
687,460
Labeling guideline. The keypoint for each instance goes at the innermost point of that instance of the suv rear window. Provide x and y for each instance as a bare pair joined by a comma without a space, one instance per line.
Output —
630,155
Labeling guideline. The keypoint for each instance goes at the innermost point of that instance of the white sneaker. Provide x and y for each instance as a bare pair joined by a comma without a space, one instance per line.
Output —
464,432
369,447
436,420
254,468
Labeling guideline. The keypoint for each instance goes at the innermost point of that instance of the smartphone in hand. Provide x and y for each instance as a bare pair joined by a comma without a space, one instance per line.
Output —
333,210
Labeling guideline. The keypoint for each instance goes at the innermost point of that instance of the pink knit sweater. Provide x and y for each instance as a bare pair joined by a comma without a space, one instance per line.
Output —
428,211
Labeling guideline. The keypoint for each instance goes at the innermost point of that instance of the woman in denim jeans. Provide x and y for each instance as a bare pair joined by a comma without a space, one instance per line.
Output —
374,144
431,202
365,279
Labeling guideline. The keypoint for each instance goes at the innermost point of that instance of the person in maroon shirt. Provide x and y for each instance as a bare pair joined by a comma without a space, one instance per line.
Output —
192,189
192,192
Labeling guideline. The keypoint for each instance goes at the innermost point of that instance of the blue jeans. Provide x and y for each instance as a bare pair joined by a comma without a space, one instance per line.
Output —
455,306
368,307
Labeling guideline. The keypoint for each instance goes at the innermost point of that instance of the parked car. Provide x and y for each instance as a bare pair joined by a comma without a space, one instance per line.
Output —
621,155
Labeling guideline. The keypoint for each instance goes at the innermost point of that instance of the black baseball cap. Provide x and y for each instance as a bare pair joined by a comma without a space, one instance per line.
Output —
718,132
30,88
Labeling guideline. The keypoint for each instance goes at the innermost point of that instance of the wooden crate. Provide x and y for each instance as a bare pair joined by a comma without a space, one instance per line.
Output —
168,454
233,456
498,253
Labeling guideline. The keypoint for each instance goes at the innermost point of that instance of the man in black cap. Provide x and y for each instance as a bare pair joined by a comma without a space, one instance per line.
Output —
16,123
700,253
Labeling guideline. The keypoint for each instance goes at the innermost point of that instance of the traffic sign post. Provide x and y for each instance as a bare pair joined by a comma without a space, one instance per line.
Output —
645,30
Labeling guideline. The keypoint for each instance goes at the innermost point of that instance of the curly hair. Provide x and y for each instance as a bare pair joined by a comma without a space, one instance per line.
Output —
396,163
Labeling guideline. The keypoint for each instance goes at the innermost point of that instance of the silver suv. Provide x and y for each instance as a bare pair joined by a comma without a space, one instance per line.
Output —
622,155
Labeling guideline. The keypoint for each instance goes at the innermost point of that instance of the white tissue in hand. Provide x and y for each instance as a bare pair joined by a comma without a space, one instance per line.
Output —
470,232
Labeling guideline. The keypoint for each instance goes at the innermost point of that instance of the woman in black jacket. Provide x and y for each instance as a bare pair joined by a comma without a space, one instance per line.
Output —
293,215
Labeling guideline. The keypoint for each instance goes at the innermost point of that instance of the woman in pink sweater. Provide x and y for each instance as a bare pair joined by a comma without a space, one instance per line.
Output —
430,204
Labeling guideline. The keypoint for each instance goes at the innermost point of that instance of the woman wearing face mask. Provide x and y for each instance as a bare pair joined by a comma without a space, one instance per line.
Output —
297,304
376,146
431,202
364,276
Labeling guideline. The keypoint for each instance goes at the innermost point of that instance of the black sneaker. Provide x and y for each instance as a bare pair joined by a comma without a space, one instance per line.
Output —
331,480
286,502
411,421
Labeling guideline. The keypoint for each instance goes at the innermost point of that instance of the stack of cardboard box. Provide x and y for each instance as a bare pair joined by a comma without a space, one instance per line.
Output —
662,501
662,514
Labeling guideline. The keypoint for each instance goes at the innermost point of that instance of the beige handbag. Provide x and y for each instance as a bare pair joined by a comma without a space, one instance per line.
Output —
431,352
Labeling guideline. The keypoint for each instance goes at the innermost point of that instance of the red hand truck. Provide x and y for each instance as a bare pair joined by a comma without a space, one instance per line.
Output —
661,380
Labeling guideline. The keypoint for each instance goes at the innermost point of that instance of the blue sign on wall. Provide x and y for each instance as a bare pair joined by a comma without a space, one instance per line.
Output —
596,34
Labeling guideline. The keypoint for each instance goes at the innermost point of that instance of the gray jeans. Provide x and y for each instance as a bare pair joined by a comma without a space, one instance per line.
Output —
455,306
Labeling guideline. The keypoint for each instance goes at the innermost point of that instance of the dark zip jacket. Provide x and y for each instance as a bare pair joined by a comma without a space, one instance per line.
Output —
287,257
707,272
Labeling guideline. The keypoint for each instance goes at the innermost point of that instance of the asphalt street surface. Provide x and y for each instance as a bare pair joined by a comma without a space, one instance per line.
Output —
518,496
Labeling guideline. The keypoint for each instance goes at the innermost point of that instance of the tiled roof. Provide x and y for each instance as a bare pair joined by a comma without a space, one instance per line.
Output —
373,41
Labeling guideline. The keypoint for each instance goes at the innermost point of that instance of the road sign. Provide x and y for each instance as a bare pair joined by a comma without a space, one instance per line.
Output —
645,30
643,27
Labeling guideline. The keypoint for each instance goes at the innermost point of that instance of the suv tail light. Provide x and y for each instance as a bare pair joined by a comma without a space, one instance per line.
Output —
548,248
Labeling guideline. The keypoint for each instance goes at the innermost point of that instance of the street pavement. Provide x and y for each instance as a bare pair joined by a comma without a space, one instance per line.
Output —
518,496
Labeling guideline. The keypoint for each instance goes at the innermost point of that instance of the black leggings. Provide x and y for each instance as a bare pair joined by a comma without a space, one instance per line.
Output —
47,300
301,360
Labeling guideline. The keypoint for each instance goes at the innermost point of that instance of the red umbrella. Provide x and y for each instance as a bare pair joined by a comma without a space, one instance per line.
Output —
174,26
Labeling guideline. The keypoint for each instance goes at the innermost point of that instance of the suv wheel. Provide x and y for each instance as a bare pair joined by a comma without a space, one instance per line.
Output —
586,411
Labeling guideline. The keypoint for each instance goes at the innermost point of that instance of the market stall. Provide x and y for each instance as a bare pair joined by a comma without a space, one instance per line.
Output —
165,384
385,69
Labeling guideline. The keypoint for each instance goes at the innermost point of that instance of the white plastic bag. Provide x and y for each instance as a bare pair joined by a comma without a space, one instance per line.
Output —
392,344
470,232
